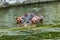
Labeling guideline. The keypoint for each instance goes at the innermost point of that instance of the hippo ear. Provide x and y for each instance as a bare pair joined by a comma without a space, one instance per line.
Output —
16,18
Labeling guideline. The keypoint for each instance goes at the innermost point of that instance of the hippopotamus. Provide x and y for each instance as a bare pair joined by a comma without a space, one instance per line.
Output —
37,19
29,18
19,20
24,18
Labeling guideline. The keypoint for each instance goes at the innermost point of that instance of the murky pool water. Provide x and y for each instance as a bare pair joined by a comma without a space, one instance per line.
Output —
50,11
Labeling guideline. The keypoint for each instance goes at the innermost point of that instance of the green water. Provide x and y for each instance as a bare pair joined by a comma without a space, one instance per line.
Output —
49,29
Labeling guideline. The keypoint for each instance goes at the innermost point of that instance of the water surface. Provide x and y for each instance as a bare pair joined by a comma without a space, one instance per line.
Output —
50,11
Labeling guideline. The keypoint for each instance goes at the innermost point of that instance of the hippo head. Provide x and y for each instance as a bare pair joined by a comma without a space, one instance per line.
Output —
37,19
18,20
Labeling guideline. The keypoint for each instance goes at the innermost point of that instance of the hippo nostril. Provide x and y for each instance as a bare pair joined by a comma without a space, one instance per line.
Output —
35,21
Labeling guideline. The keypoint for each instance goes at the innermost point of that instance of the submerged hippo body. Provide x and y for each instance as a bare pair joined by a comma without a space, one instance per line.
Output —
31,19
27,18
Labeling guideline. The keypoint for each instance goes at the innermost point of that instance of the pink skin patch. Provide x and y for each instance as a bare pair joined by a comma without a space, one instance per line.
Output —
36,19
